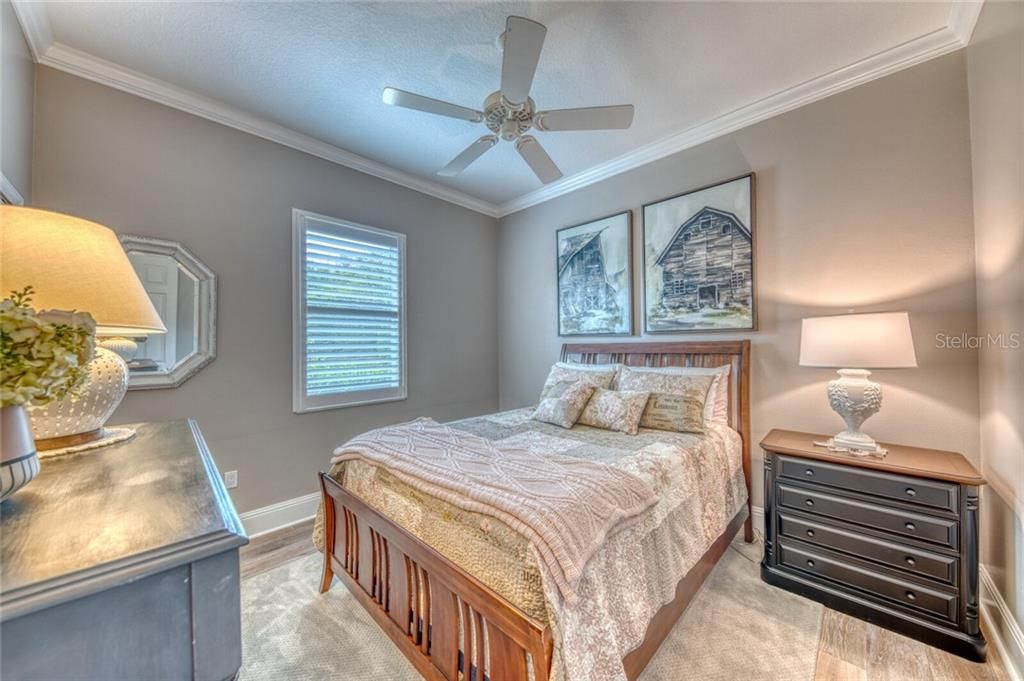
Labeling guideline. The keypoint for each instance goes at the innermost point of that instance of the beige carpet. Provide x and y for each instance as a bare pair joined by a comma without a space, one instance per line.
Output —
737,628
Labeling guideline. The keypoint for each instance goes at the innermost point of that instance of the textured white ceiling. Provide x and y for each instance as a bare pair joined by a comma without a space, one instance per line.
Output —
319,68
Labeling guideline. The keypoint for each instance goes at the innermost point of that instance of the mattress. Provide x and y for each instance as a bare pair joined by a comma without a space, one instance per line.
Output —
698,479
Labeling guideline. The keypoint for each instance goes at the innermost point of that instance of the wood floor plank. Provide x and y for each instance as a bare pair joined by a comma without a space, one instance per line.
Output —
830,668
894,657
947,667
275,548
845,639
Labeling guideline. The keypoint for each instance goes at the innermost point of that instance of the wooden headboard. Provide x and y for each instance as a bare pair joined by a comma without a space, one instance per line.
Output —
697,354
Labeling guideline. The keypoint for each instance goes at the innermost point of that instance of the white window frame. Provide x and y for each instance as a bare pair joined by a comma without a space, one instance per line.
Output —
302,221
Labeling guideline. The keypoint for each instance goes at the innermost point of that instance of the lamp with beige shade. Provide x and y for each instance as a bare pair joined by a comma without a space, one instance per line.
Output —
853,344
74,264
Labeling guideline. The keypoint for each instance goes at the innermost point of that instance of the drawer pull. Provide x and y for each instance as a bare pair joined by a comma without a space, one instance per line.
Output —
911,492
809,472
809,502
810,533
910,561
810,563
911,596
910,526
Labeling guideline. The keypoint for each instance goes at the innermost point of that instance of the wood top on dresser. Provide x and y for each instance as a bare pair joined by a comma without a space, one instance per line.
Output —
914,461
101,517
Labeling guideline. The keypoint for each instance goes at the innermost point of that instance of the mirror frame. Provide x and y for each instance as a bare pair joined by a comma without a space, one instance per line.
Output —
206,312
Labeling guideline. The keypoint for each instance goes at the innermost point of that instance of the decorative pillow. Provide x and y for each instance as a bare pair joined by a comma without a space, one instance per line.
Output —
720,389
597,375
677,401
563,404
615,410
716,404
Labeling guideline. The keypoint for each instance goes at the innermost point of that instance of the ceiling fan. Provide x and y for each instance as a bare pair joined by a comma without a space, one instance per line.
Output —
510,112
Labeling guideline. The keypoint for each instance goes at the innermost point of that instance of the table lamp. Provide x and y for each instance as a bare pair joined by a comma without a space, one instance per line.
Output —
853,344
74,264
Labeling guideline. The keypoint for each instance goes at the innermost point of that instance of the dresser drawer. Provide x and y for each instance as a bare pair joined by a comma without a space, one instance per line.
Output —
930,493
904,523
914,561
905,593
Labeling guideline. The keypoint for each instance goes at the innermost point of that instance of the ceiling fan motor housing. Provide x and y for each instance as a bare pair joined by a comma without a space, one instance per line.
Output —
505,119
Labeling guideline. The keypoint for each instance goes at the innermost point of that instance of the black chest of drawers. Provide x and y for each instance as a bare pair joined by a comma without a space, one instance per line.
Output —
893,541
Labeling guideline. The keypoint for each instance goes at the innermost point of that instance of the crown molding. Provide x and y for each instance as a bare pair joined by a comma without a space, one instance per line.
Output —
950,38
35,24
84,65
963,16
9,193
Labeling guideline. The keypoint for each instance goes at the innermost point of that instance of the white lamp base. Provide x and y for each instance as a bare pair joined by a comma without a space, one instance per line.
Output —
855,398
78,419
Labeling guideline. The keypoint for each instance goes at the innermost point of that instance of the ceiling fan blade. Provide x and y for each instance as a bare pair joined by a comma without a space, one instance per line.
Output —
589,118
409,100
538,160
470,154
523,42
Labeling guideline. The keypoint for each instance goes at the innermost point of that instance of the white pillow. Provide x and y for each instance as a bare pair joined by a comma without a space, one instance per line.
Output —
589,367
597,375
716,407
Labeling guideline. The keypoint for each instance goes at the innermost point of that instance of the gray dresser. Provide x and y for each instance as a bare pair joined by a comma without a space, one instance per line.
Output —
122,564
893,541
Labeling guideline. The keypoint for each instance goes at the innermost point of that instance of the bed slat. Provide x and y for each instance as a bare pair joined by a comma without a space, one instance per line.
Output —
422,603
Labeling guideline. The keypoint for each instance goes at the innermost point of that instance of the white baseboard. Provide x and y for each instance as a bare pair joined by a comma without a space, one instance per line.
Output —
280,515
758,513
1002,628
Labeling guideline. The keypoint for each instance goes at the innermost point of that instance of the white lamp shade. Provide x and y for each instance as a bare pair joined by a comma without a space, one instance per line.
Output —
74,264
858,341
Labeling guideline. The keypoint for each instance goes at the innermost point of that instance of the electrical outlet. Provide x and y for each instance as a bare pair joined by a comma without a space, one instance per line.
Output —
231,479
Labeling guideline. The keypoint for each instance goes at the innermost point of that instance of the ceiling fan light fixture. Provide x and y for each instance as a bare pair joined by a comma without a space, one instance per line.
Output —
510,113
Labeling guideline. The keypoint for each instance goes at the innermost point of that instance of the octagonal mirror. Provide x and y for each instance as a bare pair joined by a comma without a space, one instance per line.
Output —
184,292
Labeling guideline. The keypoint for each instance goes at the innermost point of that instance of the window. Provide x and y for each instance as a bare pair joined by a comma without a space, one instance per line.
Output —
348,313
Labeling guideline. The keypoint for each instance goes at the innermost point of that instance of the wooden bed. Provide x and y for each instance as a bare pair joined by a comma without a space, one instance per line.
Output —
442,618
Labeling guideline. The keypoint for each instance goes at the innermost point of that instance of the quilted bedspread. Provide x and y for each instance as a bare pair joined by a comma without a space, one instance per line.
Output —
565,506
699,485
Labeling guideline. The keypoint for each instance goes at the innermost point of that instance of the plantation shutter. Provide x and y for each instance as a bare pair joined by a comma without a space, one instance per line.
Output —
352,314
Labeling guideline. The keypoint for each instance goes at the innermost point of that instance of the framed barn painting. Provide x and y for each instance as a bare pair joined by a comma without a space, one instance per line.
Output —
595,278
699,260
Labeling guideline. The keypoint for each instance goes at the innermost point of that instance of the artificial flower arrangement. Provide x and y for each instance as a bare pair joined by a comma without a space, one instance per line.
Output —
45,355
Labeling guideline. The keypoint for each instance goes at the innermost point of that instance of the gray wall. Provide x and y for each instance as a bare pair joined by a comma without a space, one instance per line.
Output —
17,82
143,168
995,72
863,201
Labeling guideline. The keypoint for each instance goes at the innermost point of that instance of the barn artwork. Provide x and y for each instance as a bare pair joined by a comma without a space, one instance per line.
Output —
699,259
594,278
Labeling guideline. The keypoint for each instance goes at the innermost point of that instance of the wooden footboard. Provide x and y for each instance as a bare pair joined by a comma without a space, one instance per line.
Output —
445,622
451,626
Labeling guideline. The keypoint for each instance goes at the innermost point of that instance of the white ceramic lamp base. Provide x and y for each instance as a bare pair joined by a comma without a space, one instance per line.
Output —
855,398
77,420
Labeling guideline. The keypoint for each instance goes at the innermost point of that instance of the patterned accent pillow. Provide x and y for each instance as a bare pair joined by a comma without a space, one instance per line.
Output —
615,410
676,402
598,376
716,404
564,403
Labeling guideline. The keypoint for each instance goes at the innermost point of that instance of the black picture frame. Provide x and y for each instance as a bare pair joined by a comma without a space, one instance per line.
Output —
567,327
695,307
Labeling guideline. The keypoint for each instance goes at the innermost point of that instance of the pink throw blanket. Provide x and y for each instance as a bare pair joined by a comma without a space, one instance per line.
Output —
565,507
